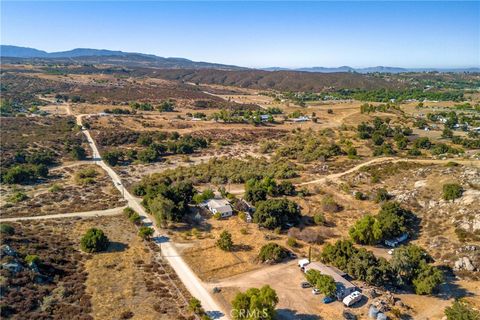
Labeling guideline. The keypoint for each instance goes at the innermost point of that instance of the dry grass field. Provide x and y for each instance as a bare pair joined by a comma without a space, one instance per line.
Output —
65,192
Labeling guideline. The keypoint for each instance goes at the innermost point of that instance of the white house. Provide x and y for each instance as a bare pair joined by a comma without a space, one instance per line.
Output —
221,206
300,119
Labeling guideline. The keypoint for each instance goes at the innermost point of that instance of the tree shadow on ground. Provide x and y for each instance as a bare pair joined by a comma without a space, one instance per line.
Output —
450,289
293,314
241,247
114,246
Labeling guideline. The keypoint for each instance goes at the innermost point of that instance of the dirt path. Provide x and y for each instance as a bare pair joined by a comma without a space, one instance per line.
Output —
335,176
95,213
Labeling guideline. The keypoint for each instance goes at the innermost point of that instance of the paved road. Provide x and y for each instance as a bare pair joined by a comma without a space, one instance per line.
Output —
169,251
85,214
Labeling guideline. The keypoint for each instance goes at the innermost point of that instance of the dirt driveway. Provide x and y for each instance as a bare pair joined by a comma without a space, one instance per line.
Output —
294,301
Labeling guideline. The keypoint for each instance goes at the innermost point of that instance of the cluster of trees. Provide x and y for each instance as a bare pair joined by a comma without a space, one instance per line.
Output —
435,149
242,116
255,304
385,95
231,170
379,131
28,167
324,283
307,146
368,108
409,266
153,151
467,143
165,199
377,95
118,111
276,213
391,221
164,106
258,189
272,252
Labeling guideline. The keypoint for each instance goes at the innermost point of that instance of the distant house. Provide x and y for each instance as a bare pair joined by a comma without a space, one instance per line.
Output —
300,119
396,241
344,287
221,206
264,117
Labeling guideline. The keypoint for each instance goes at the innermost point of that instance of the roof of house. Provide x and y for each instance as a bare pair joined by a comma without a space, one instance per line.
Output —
221,205
335,273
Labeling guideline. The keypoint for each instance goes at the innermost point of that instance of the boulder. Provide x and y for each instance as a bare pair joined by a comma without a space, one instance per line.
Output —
464,264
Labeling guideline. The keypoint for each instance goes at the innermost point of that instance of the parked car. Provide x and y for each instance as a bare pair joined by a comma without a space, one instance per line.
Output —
303,262
390,252
328,300
352,298
306,284
315,291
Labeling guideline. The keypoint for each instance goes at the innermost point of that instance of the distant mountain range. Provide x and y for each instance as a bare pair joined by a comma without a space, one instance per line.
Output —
85,55
101,56
380,69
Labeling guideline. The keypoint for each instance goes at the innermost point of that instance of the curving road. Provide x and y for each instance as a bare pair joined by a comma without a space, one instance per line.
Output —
169,251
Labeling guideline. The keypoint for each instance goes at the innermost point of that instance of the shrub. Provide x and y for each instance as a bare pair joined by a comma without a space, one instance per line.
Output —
292,242
135,218
94,240
145,232
32,259
195,306
128,212
329,204
359,195
272,252
7,229
78,153
319,219
225,241
55,188
86,176
381,195
452,191
461,310
18,196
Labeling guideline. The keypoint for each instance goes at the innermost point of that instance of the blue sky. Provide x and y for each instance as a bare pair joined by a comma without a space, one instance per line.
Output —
257,34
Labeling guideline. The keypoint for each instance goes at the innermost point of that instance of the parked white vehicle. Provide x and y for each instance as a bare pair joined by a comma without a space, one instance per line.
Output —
352,298
303,262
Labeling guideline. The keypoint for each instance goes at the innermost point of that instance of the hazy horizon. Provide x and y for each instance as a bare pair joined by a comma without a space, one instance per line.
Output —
258,34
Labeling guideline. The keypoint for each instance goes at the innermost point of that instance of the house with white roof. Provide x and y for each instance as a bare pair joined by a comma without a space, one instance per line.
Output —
221,206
